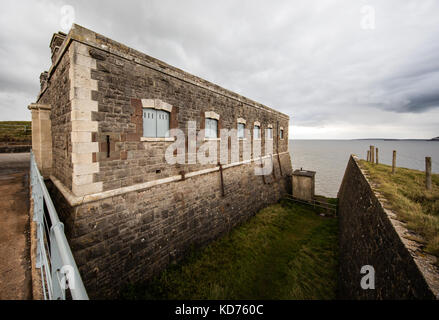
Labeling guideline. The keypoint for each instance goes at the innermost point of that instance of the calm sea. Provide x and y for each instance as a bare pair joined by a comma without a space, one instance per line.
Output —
330,157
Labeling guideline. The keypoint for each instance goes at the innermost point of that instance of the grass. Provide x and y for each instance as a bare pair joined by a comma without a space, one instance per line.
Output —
286,251
15,131
405,190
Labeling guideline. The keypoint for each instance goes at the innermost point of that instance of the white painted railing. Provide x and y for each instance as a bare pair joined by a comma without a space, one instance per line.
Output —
54,257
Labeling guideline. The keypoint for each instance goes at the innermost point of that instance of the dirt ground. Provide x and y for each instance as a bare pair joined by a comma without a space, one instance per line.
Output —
15,266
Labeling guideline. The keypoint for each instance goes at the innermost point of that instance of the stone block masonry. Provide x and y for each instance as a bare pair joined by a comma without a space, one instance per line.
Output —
130,237
127,212
84,128
55,96
370,235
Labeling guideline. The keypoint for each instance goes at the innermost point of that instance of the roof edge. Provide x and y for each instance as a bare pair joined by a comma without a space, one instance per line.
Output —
88,37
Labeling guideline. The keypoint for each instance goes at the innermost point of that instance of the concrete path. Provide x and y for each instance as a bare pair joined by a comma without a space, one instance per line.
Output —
15,266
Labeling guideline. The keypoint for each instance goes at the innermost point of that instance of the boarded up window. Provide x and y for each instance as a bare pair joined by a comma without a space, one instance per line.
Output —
162,123
257,132
241,128
155,123
150,123
269,133
211,129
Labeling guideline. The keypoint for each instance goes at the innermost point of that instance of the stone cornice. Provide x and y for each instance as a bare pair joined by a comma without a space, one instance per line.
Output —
38,106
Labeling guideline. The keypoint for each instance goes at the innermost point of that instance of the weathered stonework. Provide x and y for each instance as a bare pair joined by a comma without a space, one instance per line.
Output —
42,137
56,95
127,212
371,235
83,126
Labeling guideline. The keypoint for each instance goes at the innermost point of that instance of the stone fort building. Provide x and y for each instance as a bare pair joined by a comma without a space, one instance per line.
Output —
100,134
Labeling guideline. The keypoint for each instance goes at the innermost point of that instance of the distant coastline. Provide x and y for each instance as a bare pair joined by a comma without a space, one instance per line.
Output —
369,139
388,139
329,157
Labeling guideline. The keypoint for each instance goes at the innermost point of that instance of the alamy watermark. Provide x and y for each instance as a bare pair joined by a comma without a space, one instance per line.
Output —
67,280
368,280
368,17
223,150
67,17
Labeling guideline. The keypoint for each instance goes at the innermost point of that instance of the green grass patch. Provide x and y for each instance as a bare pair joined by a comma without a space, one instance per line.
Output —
15,131
412,202
286,251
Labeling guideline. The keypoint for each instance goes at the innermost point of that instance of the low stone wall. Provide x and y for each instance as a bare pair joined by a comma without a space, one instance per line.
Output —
132,236
369,234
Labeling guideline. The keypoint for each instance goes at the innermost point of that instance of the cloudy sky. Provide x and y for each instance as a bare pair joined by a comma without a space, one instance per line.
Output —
339,69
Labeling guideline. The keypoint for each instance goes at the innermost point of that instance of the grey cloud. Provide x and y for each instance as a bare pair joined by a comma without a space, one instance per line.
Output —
309,59
423,102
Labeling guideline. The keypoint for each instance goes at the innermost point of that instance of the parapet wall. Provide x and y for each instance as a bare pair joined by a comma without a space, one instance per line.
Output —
369,234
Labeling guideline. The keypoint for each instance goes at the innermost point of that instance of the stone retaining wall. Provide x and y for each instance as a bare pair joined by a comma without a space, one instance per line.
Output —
370,235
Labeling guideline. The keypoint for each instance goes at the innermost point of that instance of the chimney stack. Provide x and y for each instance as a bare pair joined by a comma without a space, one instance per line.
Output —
55,44
43,80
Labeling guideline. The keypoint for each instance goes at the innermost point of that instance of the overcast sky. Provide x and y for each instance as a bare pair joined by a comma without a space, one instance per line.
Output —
339,69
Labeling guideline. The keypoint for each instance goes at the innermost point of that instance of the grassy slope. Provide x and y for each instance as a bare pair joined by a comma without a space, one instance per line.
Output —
408,197
15,131
287,251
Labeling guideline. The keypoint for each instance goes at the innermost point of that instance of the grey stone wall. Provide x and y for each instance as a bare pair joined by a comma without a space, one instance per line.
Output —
367,237
120,237
121,83
130,237
56,94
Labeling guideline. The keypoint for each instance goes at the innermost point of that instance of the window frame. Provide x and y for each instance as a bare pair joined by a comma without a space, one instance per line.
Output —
241,131
241,122
212,115
257,124
208,129
159,109
270,129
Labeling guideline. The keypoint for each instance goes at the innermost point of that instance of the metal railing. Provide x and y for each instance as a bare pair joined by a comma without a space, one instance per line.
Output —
54,257
332,208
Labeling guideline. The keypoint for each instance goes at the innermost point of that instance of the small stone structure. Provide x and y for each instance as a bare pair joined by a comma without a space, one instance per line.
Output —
370,235
127,212
303,182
